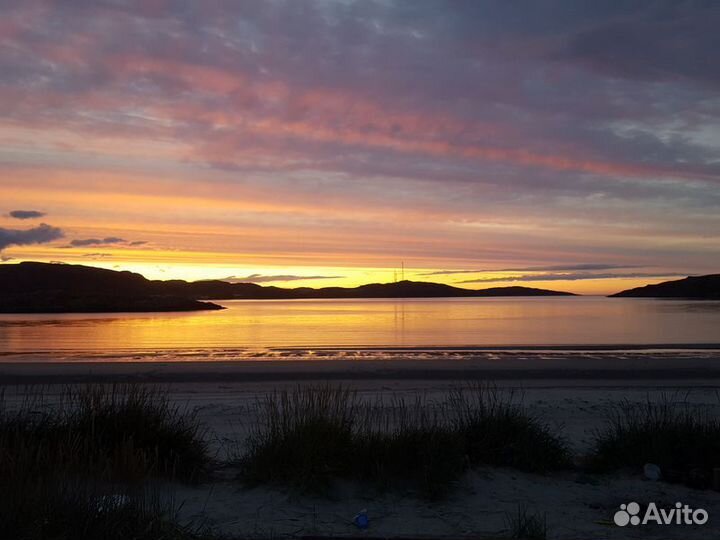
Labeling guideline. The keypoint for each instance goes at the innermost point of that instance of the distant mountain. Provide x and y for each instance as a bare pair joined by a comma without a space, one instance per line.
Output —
31,287
40,287
697,287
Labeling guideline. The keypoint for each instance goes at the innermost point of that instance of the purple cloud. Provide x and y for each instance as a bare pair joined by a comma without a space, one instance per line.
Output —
574,277
97,241
583,266
259,278
41,234
26,214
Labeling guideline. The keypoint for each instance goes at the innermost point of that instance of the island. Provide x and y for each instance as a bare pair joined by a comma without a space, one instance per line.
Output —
33,287
692,287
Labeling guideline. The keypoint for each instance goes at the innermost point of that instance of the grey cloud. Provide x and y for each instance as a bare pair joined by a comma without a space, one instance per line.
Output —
41,234
584,266
417,57
574,277
664,41
259,278
96,241
26,214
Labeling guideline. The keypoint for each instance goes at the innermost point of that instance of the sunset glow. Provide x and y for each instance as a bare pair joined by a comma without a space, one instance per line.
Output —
330,143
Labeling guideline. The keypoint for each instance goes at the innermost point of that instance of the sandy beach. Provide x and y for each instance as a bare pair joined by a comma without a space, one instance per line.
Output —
571,391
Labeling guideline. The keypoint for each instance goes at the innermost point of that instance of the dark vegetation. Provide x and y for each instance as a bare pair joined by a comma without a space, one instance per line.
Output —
84,467
526,525
62,508
113,433
77,470
682,441
31,287
499,431
312,436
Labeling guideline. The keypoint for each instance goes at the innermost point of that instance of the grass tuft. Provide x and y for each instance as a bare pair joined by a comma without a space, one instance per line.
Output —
67,469
498,431
304,438
526,525
63,508
113,433
410,447
682,441
311,436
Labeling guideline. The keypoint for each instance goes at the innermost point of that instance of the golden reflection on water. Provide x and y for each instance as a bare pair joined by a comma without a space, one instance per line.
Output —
373,323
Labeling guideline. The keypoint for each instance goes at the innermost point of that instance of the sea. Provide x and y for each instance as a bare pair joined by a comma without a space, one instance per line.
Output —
252,329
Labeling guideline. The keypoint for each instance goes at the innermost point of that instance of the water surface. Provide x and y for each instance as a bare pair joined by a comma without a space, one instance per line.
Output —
254,325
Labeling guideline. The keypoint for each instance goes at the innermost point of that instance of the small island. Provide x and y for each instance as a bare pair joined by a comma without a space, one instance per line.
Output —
66,302
32,287
693,287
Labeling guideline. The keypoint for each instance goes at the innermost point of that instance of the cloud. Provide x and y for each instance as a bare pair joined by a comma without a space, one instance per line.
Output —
573,277
41,234
560,267
107,241
26,214
663,42
97,255
461,69
590,127
110,240
259,278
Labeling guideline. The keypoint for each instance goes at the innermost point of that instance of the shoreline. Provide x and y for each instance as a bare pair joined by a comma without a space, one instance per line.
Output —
516,365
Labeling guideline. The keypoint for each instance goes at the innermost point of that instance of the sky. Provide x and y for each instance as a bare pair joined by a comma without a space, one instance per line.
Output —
572,145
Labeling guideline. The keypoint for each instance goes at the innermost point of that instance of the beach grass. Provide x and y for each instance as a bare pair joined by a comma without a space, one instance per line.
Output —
527,525
311,436
125,433
78,468
304,438
499,431
408,445
684,441
66,508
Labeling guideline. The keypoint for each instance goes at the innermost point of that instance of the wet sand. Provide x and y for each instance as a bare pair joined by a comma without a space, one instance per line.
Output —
593,364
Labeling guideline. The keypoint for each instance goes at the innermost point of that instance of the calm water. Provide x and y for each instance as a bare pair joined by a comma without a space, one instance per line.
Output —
256,325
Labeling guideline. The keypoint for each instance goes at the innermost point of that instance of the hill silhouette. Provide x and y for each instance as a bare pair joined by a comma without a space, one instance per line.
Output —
697,287
43,287
31,287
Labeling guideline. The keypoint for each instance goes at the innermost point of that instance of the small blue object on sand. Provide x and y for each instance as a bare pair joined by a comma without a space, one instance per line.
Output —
362,521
